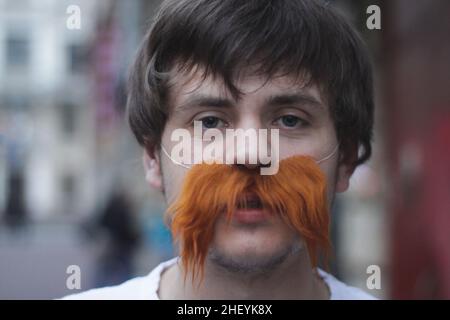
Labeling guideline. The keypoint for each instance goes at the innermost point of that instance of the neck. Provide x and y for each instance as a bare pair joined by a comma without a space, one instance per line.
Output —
291,279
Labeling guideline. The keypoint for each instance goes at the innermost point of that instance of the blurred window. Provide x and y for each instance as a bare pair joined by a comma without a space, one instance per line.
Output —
77,58
68,188
17,51
15,102
68,119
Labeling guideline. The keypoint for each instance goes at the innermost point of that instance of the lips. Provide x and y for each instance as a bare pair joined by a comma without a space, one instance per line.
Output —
250,210
250,201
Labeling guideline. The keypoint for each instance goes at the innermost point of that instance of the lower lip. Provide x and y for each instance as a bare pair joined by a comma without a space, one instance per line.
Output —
249,215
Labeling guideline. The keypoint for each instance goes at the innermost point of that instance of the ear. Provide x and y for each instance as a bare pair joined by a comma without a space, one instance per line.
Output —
152,166
345,170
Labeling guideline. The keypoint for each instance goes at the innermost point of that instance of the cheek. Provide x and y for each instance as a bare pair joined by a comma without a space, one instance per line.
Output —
172,174
316,145
330,171
316,149
173,177
297,146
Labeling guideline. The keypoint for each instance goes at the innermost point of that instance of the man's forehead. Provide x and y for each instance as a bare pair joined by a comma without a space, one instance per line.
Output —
188,84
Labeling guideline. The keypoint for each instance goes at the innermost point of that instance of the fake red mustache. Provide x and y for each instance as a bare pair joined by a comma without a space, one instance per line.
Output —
297,193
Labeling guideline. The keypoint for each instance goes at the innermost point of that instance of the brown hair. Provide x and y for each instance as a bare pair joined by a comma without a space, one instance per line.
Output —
289,36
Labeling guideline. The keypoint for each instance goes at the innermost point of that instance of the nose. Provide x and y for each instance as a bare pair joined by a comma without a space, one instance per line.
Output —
247,147
256,166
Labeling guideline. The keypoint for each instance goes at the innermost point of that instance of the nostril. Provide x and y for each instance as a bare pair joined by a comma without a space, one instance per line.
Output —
248,166
266,165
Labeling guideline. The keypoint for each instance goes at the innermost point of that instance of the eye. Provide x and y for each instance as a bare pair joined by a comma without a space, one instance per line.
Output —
210,122
291,121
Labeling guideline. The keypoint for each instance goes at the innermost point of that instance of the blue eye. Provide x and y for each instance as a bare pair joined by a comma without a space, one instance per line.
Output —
210,122
291,121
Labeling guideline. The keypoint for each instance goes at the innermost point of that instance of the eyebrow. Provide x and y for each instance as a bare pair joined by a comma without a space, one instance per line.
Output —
292,99
202,100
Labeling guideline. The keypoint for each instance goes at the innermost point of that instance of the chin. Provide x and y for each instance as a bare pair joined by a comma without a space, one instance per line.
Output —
252,249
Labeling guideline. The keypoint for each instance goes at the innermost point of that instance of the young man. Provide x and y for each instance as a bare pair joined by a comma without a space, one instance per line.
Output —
291,65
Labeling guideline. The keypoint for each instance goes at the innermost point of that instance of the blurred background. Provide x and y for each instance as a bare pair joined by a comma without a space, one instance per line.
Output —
72,188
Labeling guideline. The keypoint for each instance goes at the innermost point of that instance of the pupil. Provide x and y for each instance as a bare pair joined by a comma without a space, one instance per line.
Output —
210,122
289,121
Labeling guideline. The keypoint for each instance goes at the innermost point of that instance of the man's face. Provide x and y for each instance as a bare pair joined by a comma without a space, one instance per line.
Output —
305,128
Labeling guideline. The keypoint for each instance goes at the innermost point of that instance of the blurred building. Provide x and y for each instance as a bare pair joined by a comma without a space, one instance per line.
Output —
416,52
64,143
62,99
47,107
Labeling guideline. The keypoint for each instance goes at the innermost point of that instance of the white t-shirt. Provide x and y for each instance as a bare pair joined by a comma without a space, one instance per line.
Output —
146,288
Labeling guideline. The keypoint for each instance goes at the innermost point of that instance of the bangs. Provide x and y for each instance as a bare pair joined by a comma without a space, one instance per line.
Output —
269,38
307,40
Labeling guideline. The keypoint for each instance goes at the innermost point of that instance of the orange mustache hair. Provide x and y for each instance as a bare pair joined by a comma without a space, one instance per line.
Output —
297,193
